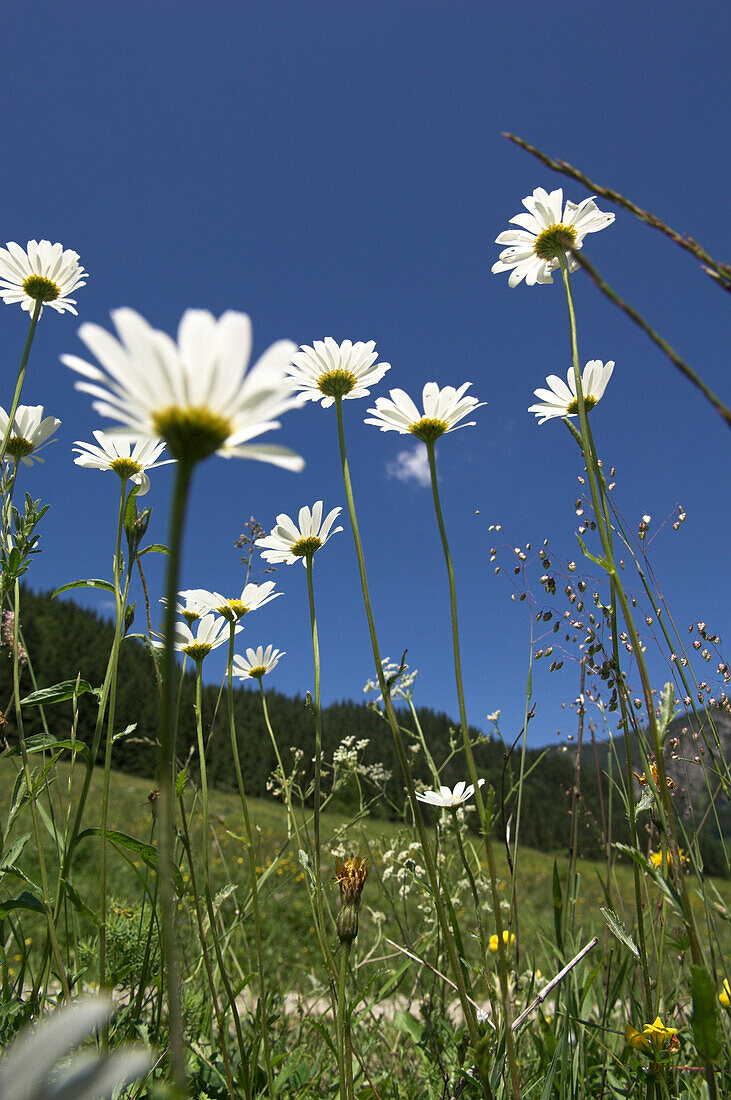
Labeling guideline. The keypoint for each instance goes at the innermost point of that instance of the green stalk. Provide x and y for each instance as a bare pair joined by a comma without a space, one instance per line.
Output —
474,779
21,376
206,874
332,969
252,865
120,600
50,922
467,1009
661,791
165,766
343,1022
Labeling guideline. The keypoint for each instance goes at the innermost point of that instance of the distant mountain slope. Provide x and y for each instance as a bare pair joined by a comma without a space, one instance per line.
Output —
64,640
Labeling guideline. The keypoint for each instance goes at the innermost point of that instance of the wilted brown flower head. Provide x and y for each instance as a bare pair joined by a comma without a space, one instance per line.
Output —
350,876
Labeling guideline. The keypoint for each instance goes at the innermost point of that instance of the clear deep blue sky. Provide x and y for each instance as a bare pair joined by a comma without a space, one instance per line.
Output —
337,168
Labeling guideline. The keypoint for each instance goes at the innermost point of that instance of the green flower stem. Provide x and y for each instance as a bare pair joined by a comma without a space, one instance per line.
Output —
344,1040
220,1023
50,921
467,1009
252,865
21,376
661,791
473,886
485,821
330,962
120,599
165,766
207,877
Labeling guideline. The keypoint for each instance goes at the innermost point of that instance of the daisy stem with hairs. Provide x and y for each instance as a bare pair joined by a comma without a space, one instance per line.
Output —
21,375
120,600
165,766
207,875
263,1014
485,820
465,1000
329,960
662,793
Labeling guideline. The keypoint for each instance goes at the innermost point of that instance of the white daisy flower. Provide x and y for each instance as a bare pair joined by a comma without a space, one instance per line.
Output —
253,597
561,399
446,798
195,394
287,542
328,370
545,232
43,272
29,432
443,409
211,631
257,662
127,460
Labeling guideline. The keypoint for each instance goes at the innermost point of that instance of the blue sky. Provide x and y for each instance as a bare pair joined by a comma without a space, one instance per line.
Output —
338,169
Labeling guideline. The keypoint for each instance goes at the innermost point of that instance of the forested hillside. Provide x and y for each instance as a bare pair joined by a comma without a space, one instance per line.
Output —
64,640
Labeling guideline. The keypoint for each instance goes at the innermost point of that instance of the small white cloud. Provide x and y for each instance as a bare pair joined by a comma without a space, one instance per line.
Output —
411,465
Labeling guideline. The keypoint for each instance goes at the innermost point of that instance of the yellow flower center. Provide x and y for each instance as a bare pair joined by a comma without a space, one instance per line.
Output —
336,383
232,610
554,241
306,547
198,650
428,428
41,288
258,672
125,467
18,447
573,406
192,434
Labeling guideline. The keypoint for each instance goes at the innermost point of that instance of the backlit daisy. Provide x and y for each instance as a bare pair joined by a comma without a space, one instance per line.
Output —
288,542
443,409
43,272
211,631
195,394
30,431
545,232
257,662
328,370
445,798
561,399
253,597
127,460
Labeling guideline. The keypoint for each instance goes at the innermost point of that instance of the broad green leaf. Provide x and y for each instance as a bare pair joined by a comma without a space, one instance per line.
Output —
616,927
154,548
91,582
78,902
667,708
407,1023
8,858
59,693
26,900
146,852
46,742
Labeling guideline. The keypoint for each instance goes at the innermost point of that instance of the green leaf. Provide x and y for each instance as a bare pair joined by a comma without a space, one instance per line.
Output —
557,906
667,709
616,927
9,858
408,1024
154,548
91,582
146,852
647,800
26,900
59,693
704,1021
78,902
46,742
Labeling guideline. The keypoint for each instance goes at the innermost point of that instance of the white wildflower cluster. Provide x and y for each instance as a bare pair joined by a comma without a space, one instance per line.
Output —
401,688
402,869
347,760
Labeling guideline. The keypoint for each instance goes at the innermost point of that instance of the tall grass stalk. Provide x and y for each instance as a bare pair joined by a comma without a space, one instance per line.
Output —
465,1000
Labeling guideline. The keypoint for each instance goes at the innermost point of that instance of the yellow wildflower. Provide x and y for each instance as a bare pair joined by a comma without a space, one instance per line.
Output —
725,995
642,779
653,1037
508,940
